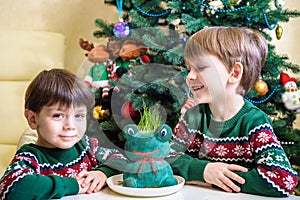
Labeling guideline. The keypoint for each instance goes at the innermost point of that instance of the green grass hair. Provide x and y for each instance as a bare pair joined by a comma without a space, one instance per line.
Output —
150,119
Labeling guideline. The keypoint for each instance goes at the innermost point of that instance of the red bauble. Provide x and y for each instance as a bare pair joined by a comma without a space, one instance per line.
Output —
128,111
145,59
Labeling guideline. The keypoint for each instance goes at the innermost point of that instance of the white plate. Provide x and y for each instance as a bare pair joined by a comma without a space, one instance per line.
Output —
113,183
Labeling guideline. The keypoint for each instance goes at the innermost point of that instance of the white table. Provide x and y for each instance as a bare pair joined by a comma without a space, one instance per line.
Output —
188,192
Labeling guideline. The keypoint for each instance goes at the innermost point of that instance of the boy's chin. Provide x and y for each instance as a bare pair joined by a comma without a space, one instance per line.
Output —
67,145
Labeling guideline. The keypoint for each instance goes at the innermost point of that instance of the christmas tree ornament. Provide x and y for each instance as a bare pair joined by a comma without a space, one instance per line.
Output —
164,5
272,5
291,96
129,112
121,29
131,55
261,87
211,10
278,31
231,2
279,3
97,77
182,40
176,23
267,21
218,4
183,7
143,12
99,113
265,99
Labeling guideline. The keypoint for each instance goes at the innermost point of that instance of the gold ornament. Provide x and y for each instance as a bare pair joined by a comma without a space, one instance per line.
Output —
278,31
100,114
261,87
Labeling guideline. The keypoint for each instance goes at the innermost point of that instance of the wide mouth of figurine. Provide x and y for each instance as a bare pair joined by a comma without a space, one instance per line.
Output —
145,153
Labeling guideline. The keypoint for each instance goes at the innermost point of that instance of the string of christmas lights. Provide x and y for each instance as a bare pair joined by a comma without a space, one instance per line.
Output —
151,14
208,7
265,99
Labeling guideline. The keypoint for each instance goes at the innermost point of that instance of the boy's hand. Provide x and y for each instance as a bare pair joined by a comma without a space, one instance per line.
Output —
82,190
222,175
91,181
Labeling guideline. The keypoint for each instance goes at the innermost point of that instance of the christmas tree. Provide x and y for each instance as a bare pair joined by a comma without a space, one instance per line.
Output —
164,26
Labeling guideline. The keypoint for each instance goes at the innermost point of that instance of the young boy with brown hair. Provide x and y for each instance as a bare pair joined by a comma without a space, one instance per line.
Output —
63,161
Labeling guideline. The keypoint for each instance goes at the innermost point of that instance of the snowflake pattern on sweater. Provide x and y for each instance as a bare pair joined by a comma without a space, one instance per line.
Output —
241,141
31,160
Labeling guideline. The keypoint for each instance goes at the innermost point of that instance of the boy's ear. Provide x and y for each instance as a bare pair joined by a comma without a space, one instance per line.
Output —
31,118
236,73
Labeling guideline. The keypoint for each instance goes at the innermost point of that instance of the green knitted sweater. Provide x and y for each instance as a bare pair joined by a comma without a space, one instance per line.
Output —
246,139
44,173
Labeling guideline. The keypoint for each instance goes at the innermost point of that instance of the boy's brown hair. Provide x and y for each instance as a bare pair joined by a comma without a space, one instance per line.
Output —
57,86
231,45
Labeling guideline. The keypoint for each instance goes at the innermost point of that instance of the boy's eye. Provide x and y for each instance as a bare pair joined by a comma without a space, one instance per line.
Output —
201,68
57,115
80,116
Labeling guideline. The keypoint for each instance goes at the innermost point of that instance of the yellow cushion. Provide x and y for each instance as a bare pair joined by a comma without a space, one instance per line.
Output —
28,136
25,53
7,152
13,122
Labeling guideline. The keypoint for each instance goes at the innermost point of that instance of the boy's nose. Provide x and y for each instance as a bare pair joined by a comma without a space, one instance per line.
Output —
69,124
191,76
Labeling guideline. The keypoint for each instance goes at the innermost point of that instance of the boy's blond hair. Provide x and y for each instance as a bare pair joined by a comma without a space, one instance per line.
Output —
231,45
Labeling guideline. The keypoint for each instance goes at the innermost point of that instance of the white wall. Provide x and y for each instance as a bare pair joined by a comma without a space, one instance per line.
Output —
289,43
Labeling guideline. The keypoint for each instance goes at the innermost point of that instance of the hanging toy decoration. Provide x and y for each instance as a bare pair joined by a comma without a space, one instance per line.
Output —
121,29
278,31
279,3
176,23
218,4
291,96
261,87
232,2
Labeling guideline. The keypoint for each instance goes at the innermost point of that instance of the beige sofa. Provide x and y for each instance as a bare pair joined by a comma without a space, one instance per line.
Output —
23,55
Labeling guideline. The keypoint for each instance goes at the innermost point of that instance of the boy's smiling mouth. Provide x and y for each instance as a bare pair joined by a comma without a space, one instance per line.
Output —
71,137
197,88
